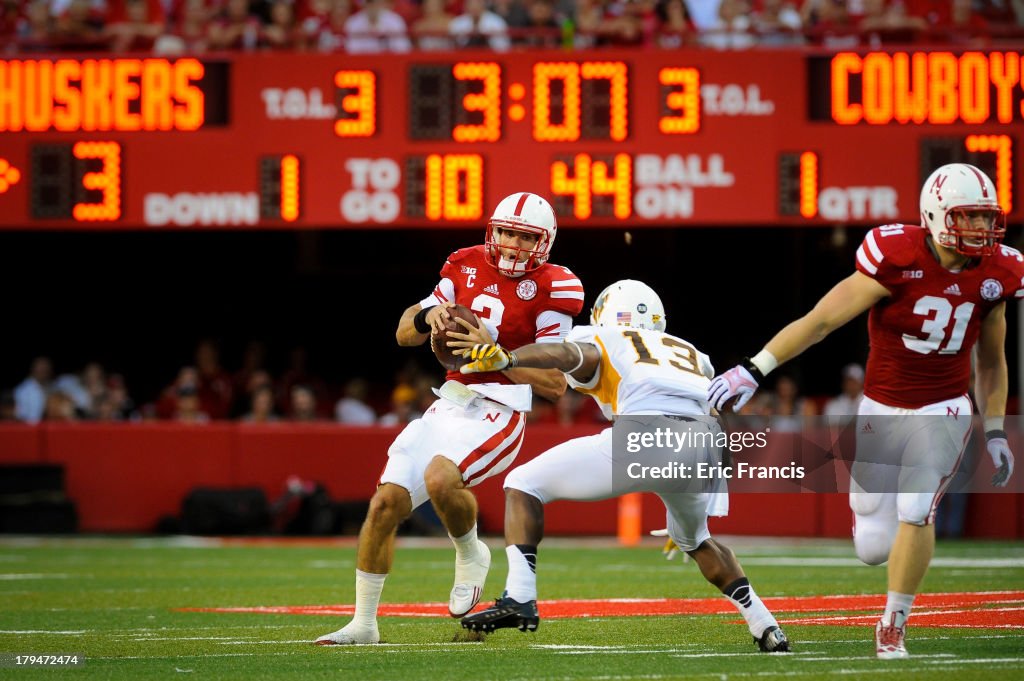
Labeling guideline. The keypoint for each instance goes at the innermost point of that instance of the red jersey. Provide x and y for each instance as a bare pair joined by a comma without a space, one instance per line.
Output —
921,336
534,308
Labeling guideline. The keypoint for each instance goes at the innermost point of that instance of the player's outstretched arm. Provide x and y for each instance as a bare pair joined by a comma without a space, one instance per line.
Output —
847,299
580,360
415,325
991,386
547,383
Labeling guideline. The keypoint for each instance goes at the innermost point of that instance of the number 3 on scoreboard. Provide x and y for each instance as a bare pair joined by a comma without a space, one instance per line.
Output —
107,181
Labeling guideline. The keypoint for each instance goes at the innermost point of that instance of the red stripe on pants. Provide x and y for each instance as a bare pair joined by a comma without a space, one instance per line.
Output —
492,442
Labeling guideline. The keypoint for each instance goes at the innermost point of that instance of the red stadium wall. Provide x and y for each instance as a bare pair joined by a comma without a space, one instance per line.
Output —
124,478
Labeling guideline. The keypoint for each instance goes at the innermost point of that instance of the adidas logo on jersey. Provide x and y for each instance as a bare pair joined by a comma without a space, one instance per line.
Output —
867,429
493,288
953,290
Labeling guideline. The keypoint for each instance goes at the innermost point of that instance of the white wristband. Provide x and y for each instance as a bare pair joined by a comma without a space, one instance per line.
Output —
994,423
579,350
765,362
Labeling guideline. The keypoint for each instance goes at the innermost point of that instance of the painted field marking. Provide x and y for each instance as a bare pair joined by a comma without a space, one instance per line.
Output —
955,610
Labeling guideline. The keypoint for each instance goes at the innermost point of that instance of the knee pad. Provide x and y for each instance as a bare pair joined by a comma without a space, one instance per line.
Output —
916,508
687,519
688,539
865,503
521,482
873,536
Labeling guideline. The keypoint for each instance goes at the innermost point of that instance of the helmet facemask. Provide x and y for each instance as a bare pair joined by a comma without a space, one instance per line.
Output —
974,231
512,261
520,212
960,208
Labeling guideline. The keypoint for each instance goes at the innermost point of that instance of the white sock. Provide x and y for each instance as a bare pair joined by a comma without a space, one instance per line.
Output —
754,611
466,546
521,584
899,605
368,589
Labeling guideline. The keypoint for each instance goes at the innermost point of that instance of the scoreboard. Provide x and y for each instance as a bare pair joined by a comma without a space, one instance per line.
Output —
611,137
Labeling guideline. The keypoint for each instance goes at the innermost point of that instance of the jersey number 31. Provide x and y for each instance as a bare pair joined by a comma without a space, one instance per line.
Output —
935,326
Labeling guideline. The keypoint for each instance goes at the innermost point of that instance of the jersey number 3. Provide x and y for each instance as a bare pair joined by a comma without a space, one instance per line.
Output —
937,312
489,309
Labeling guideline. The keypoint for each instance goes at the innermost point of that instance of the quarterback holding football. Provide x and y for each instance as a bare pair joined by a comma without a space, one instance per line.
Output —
476,427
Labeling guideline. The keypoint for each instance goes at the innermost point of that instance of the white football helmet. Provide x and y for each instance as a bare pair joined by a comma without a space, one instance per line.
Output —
960,208
522,212
629,303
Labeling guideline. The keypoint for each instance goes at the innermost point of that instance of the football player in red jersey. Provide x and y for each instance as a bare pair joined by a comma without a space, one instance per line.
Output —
935,291
475,429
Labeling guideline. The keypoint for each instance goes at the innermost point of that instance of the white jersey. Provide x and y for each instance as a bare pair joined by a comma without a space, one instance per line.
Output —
644,372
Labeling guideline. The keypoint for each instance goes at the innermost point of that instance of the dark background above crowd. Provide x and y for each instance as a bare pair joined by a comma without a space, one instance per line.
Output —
318,309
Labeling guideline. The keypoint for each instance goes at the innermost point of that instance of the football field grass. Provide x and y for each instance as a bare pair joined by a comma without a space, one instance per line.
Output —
191,608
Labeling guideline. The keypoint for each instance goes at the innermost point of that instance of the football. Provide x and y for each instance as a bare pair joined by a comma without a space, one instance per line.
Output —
438,341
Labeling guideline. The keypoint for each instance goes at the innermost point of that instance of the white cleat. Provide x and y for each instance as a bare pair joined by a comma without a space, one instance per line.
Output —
469,582
350,635
889,641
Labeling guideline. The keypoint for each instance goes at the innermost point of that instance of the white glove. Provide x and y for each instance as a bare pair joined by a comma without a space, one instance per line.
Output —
1002,457
737,382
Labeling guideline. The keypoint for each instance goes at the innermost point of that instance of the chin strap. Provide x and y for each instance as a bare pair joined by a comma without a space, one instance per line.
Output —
512,267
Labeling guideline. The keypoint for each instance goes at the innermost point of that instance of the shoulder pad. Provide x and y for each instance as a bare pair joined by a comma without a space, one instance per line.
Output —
889,246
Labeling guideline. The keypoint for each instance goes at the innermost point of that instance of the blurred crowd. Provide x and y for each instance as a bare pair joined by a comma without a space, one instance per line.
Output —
204,390
368,26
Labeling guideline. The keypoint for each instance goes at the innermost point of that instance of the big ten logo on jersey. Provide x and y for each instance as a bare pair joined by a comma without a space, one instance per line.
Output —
372,197
471,272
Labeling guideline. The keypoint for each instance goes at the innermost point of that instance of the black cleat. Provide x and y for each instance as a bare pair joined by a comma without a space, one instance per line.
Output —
773,640
504,614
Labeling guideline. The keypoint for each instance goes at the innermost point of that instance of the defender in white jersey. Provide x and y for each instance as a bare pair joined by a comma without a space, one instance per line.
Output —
630,366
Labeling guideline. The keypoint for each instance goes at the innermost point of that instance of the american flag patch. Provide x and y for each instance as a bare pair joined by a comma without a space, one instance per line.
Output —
623,317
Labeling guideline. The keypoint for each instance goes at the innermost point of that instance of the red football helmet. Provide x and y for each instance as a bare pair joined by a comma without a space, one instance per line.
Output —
521,212
960,208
